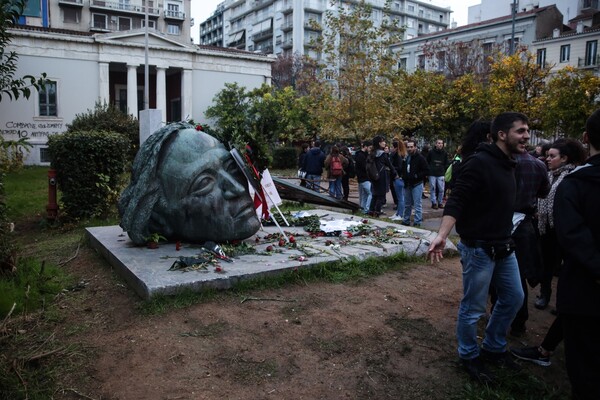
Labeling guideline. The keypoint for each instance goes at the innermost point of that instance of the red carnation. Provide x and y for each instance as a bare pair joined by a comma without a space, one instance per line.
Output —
198,127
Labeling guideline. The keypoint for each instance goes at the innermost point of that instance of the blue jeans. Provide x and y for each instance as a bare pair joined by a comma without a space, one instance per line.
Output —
313,182
412,198
436,189
335,187
399,189
479,272
364,195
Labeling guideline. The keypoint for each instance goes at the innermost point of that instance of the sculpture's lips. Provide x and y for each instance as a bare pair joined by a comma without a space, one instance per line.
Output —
245,210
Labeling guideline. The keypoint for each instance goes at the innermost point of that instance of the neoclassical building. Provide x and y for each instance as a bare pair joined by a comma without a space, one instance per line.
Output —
87,65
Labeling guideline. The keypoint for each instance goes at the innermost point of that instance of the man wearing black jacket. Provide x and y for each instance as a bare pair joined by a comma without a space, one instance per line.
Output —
577,224
414,170
481,206
364,184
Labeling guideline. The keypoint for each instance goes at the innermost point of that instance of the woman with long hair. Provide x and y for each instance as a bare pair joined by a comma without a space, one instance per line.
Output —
563,156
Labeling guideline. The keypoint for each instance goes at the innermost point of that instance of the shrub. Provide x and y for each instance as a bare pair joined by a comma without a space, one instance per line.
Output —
109,118
89,170
7,248
285,157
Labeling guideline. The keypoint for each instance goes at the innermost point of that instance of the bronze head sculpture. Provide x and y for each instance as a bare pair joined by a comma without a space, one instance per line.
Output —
186,186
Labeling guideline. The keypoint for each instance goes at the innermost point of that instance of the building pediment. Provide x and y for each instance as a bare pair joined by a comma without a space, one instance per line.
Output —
137,36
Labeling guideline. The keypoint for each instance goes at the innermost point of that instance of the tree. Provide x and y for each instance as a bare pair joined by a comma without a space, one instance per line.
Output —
292,70
569,99
10,11
348,94
261,118
517,83
458,58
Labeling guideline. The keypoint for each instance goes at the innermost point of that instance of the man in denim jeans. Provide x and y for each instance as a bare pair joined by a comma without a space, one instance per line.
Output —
481,206
414,170
364,184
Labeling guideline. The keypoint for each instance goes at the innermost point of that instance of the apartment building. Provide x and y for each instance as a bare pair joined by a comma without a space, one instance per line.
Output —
94,50
285,27
575,46
490,9
211,30
489,35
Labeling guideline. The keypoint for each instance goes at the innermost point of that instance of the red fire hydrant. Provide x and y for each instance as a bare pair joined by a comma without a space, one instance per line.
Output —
52,207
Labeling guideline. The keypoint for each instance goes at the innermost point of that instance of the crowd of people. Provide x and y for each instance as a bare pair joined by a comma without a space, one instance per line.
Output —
523,218
400,169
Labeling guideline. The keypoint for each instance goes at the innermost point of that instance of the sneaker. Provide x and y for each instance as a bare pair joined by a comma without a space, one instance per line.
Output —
434,206
396,218
532,354
502,360
417,225
477,371
441,205
541,303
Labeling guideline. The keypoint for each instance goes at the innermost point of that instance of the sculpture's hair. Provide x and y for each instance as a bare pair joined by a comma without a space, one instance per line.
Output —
139,199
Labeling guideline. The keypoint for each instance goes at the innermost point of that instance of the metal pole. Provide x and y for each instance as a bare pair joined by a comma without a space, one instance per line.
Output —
512,38
146,72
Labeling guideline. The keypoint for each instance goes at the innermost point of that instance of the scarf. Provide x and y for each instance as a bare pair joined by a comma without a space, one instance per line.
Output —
546,205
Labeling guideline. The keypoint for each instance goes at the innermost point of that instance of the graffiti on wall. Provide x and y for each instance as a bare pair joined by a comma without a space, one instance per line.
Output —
13,130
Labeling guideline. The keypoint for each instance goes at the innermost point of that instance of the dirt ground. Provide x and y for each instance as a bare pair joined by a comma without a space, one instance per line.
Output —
386,337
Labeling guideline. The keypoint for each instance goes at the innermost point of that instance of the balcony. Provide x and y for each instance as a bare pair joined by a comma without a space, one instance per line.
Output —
288,7
124,8
258,4
287,26
262,35
75,3
178,15
313,25
265,49
315,5
586,62
287,44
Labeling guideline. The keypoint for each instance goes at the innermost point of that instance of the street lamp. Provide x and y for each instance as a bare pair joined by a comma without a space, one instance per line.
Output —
512,38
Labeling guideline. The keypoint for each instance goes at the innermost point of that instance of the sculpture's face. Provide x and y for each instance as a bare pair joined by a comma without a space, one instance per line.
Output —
205,192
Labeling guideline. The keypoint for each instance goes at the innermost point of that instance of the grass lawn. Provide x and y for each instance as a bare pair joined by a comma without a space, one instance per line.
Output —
26,192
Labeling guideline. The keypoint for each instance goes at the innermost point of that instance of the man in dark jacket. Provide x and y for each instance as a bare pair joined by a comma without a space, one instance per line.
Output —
577,224
481,206
438,162
414,170
364,184
314,161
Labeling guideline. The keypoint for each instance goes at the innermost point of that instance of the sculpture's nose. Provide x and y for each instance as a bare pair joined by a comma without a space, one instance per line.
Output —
230,186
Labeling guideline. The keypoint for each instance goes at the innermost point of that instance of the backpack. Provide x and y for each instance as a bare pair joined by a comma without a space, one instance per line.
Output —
372,171
335,168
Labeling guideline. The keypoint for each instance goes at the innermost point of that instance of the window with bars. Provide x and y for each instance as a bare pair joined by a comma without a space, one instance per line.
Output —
47,100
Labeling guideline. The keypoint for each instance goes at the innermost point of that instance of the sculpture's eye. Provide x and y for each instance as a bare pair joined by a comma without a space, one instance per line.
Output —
203,185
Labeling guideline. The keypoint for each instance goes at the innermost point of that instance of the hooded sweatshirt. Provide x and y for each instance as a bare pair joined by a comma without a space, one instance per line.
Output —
314,161
483,197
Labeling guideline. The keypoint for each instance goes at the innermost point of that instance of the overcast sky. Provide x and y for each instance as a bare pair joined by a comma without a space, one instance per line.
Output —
202,9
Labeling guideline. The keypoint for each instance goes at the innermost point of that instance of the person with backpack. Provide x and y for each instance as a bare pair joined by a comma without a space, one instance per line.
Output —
335,164
377,162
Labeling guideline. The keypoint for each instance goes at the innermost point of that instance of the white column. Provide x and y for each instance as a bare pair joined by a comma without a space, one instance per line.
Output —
161,92
103,83
187,110
132,93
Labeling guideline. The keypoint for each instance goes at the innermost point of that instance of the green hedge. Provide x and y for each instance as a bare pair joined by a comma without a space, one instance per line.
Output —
285,157
89,169
108,118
